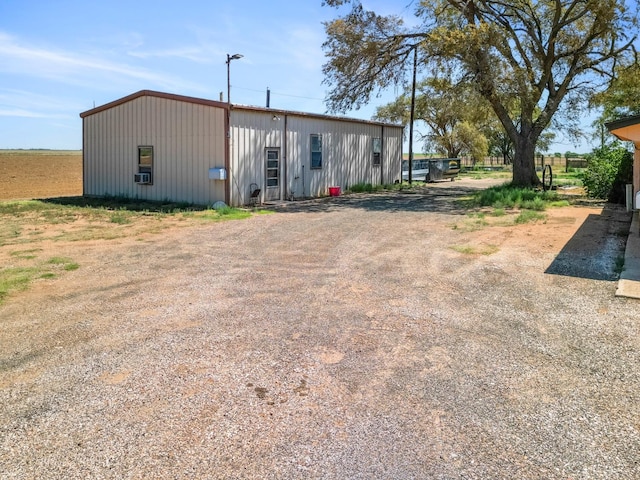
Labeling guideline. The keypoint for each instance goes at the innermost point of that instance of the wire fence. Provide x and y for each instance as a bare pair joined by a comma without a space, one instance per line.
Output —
498,162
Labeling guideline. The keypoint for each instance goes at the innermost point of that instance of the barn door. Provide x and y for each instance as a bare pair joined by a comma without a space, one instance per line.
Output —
273,174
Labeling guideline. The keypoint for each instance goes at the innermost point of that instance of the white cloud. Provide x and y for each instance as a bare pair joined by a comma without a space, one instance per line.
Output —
77,69
17,112
194,54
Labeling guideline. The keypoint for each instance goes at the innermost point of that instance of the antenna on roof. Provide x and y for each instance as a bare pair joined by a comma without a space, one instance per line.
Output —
268,97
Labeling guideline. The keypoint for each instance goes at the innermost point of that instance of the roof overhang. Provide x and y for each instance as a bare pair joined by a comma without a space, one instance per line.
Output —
627,129
151,93
213,103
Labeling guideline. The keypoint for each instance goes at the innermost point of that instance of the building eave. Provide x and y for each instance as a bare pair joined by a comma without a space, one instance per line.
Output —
626,129
151,93
213,103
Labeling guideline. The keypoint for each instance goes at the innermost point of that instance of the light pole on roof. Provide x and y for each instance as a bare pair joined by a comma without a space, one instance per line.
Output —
235,56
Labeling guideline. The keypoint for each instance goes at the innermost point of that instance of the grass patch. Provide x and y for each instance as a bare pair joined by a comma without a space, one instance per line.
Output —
365,188
79,218
219,214
572,178
25,254
471,250
527,216
17,278
120,217
26,224
508,196
480,172
66,263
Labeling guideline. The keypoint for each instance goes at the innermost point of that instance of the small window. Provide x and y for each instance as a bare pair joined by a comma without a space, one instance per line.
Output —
377,151
316,151
145,165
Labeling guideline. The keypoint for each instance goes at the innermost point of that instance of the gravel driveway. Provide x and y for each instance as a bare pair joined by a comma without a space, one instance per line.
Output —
361,337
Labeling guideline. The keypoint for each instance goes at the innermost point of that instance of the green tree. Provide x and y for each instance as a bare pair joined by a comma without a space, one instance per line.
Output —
542,53
620,99
454,115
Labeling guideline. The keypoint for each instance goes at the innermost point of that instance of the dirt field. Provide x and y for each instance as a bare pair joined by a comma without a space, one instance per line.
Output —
39,174
388,336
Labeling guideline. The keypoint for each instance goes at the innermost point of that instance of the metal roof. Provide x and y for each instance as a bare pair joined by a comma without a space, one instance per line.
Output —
218,104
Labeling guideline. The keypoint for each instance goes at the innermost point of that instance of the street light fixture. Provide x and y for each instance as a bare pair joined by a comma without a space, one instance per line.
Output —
235,56
227,153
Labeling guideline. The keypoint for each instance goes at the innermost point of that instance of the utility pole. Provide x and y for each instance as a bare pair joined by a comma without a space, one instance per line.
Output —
413,108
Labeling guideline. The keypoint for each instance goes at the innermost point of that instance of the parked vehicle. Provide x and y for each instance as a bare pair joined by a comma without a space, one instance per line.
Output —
432,169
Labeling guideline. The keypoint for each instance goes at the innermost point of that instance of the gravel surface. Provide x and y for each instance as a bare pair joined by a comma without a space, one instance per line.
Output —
359,337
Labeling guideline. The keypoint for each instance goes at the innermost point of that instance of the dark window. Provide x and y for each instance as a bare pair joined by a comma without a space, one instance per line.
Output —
145,165
316,151
377,151
273,168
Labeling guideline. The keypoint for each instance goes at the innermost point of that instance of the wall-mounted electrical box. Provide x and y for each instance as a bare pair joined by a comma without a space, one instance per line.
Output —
217,174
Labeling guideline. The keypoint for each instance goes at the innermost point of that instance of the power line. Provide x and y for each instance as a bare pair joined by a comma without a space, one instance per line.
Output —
280,94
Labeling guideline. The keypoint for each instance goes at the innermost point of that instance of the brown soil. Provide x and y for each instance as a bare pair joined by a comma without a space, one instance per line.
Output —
27,174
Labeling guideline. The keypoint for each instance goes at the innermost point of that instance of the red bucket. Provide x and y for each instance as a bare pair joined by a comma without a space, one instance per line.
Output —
334,191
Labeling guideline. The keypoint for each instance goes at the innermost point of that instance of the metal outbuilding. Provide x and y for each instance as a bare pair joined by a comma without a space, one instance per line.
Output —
159,146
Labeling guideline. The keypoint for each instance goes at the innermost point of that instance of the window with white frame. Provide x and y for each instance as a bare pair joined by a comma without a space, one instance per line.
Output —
316,151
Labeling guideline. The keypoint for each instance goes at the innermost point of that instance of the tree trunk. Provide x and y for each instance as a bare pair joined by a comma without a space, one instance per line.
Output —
524,163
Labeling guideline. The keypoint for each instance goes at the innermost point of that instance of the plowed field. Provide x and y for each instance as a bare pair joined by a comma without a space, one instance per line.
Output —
40,174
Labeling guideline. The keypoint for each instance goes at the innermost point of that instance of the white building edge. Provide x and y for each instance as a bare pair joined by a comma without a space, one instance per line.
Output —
159,146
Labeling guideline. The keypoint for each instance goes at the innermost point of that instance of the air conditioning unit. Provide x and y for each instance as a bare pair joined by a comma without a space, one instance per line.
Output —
142,178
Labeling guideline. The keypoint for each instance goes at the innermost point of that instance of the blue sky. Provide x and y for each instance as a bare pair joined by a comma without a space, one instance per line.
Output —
61,57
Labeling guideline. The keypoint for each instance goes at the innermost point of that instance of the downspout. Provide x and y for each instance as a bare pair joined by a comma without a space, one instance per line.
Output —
382,143
284,158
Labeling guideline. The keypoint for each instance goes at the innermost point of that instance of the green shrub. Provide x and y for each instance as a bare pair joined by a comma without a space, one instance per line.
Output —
508,196
362,188
610,168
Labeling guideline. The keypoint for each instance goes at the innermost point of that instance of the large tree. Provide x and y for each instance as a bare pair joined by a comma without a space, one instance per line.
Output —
622,98
542,53
453,113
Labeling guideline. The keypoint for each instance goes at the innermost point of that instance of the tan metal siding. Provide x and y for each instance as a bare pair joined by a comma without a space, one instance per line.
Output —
188,139
251,134
347,157
392,154
347,154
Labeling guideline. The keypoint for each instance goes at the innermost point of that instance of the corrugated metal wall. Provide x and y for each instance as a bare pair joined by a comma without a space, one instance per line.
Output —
251,133
187,138
347,153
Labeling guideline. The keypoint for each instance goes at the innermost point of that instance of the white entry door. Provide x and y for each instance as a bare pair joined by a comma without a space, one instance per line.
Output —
273,174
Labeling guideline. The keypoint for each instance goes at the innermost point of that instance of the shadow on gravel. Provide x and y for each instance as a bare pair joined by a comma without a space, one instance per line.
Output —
438,199
596,250
123,203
